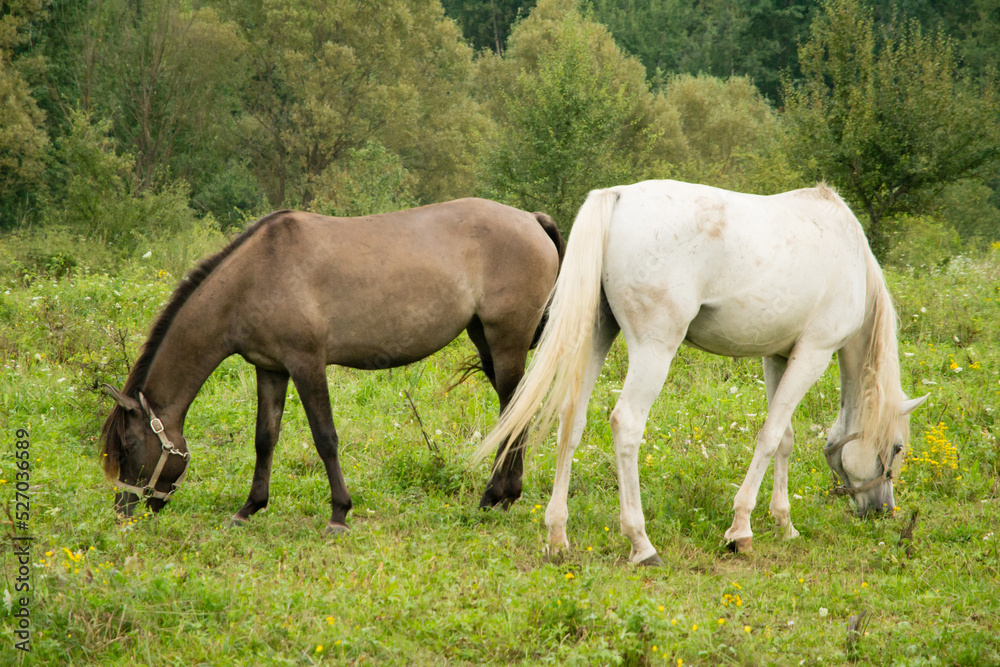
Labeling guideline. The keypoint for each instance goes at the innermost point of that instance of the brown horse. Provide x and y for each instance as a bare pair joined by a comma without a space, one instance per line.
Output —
298,291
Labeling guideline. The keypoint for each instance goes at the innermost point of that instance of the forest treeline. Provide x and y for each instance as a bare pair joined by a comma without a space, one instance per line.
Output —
127,121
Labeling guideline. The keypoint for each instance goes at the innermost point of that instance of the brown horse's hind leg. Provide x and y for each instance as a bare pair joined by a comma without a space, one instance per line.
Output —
271,388
504,371
315,395
504,486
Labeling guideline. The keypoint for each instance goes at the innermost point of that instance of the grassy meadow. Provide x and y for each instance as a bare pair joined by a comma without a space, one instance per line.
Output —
424,577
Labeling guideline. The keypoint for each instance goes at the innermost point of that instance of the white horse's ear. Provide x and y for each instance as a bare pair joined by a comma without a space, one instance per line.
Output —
121,399
912,404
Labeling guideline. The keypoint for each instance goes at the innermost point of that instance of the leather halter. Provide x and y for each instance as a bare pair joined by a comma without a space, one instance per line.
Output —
844,489
167,449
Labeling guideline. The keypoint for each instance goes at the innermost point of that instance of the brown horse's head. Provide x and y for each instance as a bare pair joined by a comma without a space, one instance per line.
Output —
132,451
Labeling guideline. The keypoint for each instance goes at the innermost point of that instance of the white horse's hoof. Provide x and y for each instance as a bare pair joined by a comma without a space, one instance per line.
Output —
790,533
557,541
652,561
734,533
743,545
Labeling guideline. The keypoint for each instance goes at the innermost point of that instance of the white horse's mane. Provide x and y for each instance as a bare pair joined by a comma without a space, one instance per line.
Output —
881,420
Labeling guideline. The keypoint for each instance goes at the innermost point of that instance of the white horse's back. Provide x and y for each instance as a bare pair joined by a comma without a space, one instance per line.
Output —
747,275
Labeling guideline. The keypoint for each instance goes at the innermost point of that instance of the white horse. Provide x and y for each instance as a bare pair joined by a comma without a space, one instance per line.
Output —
789,277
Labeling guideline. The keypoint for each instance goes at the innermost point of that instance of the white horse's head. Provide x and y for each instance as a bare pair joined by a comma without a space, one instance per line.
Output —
866,465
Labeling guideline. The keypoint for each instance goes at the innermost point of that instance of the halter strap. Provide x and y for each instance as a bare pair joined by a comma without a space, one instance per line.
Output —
167,448
835,447
843,489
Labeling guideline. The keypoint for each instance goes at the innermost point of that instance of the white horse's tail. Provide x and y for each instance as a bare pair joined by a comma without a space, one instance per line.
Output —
556,371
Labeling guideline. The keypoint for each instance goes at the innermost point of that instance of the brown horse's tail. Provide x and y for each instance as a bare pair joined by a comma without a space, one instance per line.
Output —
550,227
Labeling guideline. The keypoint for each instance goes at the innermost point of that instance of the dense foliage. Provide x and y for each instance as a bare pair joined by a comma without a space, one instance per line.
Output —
124,120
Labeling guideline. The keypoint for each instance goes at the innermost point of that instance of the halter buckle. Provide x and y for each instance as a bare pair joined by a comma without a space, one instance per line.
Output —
167,448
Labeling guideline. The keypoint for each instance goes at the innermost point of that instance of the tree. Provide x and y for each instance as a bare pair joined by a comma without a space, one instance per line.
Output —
168,79
886,117
573,112
723,38
724,134
23,140
487,23
329,77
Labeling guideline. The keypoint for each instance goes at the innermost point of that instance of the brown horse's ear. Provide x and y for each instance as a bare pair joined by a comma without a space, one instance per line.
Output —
121,399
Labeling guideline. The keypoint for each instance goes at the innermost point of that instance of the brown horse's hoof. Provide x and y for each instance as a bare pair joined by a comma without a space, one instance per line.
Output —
236,522
499,504
507,502
652,561
336,529
744,545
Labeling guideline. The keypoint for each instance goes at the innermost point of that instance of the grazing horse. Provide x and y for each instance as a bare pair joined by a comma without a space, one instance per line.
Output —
788,277
298,291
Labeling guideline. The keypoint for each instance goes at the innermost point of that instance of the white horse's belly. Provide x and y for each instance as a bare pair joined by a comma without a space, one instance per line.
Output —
749,336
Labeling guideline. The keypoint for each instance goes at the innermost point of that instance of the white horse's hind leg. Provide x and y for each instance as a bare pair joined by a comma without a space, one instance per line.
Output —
557,513
805,366
648,364
781,509
774,368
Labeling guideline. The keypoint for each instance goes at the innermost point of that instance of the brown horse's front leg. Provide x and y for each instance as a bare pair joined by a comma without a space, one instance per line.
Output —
271,388
315,395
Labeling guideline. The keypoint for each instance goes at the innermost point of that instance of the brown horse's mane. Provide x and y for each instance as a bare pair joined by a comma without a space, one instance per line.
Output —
113,431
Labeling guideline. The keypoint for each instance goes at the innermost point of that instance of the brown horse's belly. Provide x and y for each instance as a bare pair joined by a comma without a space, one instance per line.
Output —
392,346
262,361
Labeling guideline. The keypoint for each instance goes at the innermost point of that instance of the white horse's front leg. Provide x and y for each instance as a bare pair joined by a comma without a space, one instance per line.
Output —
801,370
774,369
746,498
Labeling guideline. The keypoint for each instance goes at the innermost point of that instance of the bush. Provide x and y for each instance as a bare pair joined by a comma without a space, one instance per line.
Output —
52,251
231,195
723,132
372,180
923,241
966,207
100,198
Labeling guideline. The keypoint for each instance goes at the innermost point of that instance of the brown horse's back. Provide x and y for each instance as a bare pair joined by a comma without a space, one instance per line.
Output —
388,289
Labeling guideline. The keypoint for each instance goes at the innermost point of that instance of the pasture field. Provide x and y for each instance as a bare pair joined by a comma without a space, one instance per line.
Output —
424,577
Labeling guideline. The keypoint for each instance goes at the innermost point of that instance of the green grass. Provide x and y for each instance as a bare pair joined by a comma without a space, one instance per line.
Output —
424,577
